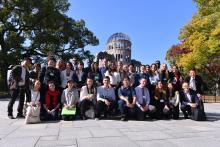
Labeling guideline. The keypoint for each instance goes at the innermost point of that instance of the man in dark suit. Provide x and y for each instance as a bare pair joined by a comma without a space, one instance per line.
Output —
188,99
19,86
195,82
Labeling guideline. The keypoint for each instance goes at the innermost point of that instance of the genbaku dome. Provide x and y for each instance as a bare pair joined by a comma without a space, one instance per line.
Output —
119,45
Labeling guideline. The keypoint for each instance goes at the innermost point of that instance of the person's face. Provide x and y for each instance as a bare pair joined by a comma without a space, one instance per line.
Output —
51,63
192,73
185,87
170,85
143,68
119,65
106,82
143,82
174,69
80,66
131,68
160,85
68,66
147,68
153,68
126,82
70,84
112,66
52,87
125,68
164,67
95,66
37,85
89,82
26,63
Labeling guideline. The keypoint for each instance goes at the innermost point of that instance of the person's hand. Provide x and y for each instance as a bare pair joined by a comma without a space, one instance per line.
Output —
66,106
142,109
166,107
146,108
107,102
193,105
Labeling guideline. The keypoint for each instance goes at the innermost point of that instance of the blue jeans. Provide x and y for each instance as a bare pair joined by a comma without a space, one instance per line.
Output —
124,110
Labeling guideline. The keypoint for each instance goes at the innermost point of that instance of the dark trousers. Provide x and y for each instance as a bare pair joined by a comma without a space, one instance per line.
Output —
45,116
174,112
187,110
160,113
101,107
68,117
124,110
20,92
142,115
85,105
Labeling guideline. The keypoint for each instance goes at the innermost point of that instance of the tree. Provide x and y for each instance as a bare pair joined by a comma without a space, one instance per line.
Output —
35,27
201,38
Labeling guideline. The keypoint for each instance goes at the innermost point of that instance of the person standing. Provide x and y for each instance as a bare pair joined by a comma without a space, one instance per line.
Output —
19,87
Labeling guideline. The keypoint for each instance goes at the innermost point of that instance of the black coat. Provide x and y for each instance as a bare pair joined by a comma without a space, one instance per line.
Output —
198,82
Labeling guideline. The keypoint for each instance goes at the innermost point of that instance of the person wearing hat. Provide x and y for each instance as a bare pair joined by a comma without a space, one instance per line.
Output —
19,86
69,99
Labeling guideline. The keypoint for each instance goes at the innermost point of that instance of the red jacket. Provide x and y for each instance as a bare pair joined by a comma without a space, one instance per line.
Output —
52,99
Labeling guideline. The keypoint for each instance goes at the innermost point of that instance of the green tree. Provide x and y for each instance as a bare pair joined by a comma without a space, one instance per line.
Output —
35,27
201,37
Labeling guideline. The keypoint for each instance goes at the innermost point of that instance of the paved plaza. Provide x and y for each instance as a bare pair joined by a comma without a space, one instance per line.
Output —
110,133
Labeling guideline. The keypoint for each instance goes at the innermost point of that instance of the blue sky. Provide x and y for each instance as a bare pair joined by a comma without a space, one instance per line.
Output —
152,25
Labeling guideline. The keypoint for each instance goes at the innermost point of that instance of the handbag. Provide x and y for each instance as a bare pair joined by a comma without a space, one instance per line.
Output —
198,113
66,111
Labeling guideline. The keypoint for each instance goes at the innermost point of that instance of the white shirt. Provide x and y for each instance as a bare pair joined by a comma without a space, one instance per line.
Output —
23,74
35,96
192,83
65,78
114,78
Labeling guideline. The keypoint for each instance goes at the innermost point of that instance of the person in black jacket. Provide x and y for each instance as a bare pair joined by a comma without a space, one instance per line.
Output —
47,74
195,82
188,99
19,86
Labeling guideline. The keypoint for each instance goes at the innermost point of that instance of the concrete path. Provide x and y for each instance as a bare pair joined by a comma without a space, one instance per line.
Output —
111,133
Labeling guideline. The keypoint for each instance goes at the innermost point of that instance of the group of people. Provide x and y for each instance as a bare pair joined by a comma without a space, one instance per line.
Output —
65,90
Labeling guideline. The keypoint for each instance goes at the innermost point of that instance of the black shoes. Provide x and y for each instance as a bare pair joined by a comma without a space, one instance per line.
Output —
20,116
11,117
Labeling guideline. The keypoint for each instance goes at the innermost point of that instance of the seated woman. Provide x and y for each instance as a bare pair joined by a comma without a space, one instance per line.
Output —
127,100
69,99
88,99
191,105
51,103
173,100
33,109
160,101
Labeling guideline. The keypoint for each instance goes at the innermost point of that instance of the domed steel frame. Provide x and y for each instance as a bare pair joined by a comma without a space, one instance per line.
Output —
118,37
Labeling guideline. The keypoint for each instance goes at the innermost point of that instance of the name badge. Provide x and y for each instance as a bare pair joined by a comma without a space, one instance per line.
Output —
162,101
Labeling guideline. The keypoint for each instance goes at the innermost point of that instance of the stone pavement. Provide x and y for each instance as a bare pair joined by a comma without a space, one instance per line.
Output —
110,133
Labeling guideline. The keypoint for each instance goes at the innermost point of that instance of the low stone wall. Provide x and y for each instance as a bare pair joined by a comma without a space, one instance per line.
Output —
211,99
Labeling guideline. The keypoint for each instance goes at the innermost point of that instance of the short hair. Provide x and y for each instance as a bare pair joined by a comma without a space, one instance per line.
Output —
126,78
51,58
106,77
51,82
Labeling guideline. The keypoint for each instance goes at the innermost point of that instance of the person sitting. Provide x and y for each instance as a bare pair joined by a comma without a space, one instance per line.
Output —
190,103
70,100
127,100
105,99
51,103
33,109
160,101
88,99
173,100
143,101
